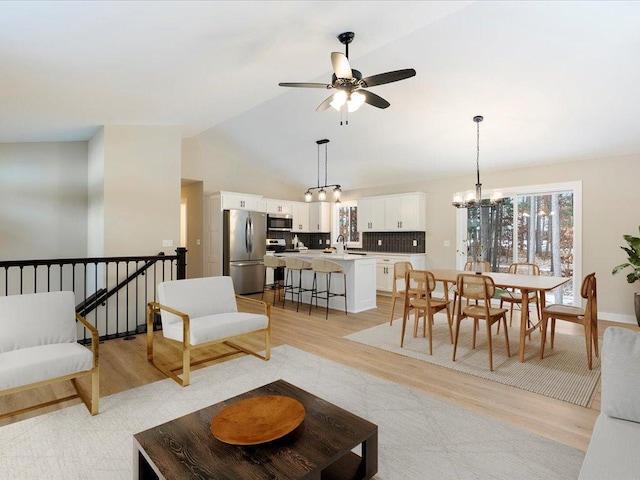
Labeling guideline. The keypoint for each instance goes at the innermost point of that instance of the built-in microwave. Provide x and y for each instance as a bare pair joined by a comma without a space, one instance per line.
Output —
279,222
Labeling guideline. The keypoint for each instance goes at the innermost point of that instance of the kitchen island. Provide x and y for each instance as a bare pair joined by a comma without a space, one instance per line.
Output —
360,273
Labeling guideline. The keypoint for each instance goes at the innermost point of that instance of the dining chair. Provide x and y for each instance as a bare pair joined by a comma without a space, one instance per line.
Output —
479,289
420,285
473,266
399,271
477,266
588,317
513,296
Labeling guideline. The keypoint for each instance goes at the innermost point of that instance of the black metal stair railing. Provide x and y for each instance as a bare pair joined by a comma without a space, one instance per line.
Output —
112,292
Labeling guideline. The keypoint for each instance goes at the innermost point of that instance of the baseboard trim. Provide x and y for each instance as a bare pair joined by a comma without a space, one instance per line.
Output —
617,317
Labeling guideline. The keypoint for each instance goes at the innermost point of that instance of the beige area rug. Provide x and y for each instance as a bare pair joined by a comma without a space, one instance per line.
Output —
418,436
562,374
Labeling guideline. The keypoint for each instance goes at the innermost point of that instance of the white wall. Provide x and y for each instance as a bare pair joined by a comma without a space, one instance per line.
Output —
223,165
610,209
141,189
43,200
95,187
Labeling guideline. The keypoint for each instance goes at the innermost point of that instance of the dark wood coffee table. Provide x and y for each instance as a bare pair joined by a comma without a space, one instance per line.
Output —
320,448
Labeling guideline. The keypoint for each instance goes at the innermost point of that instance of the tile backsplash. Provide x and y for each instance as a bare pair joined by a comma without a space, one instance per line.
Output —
311,240
391,242
396,242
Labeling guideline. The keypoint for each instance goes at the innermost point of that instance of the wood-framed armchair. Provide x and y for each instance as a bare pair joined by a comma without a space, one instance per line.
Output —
39,346
201,312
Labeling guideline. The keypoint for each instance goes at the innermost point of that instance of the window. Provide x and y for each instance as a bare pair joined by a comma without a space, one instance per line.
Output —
346,223
536,224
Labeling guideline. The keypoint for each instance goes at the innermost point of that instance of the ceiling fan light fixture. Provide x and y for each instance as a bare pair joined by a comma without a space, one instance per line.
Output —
355,101
352,87
339,99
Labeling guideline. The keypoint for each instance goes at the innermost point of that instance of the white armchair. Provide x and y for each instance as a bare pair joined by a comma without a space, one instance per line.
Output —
38,346
201,312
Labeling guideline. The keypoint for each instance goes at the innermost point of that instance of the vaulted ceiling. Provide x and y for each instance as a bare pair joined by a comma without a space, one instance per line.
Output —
555,81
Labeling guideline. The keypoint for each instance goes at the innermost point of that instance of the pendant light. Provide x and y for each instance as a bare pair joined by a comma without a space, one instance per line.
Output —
322,193
473,198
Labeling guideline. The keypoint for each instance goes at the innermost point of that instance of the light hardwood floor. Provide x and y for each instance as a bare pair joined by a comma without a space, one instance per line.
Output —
123,366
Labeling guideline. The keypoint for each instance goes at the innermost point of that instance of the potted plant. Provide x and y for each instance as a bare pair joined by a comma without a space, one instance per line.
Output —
633,252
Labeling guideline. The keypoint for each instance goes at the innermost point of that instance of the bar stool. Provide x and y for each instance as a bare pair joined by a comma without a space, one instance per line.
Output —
295,264
328,268
276,264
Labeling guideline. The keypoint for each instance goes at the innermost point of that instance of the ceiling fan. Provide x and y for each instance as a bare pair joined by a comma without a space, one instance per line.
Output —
351,87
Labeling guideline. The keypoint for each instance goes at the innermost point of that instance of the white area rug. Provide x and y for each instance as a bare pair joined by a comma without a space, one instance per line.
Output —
562,374
419,437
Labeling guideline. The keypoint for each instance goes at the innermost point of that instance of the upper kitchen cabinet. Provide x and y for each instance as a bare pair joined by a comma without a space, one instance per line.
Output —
319,217
371,214
300,215
405,212
241,201
277,206
392,213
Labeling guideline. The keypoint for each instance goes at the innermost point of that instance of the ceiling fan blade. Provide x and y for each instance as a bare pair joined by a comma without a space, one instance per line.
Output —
388,77
305,85
373,99
324,105
341,65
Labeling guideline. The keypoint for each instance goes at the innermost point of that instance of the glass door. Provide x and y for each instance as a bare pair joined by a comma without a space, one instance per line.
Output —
545,226
536,226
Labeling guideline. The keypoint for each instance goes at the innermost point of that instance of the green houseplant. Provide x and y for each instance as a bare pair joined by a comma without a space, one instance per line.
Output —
633,253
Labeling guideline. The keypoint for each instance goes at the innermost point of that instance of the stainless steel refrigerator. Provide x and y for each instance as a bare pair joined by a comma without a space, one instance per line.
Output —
244,246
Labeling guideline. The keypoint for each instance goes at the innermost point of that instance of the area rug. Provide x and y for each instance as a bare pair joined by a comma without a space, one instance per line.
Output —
562,374
419,437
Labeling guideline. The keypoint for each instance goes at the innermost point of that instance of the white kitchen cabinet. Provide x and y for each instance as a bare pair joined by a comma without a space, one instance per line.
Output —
384,277
300,216
405,213
392,213
371,214
241,201
277,206
384,268
319,217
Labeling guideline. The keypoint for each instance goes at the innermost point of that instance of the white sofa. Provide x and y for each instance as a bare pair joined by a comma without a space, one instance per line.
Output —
613,450
38,346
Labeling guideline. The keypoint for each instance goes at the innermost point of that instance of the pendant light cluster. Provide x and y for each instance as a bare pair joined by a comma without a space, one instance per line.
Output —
471,198
322,193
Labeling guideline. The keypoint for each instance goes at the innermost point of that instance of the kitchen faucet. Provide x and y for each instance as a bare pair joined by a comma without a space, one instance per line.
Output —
344,243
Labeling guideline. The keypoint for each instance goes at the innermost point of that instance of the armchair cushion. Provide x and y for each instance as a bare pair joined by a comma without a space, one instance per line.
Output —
217,327
36,364
621,374
197,297
37,319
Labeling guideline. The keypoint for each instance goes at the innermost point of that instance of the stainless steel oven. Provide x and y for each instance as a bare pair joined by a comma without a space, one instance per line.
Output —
279,222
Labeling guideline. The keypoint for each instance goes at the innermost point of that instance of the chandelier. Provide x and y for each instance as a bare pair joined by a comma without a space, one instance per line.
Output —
471,199
322,193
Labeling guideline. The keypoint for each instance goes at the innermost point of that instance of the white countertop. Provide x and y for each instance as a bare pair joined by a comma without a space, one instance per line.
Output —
316,251
328,256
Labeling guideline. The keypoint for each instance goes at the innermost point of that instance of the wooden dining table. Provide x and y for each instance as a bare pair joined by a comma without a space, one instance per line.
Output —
525,283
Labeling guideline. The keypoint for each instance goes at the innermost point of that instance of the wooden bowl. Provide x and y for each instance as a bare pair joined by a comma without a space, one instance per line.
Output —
257,420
